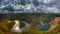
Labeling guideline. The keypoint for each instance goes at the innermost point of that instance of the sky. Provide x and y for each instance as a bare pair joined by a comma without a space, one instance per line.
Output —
20,6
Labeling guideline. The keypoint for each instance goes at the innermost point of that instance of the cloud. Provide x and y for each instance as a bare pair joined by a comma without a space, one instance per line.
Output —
44,6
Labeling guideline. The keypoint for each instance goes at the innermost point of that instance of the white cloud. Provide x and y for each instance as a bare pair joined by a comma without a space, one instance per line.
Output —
53,9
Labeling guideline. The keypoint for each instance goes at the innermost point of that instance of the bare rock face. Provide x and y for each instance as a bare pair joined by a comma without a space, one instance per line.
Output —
19,26
54,24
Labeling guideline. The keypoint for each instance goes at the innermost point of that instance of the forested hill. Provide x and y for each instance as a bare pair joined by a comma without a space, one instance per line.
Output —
28,15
